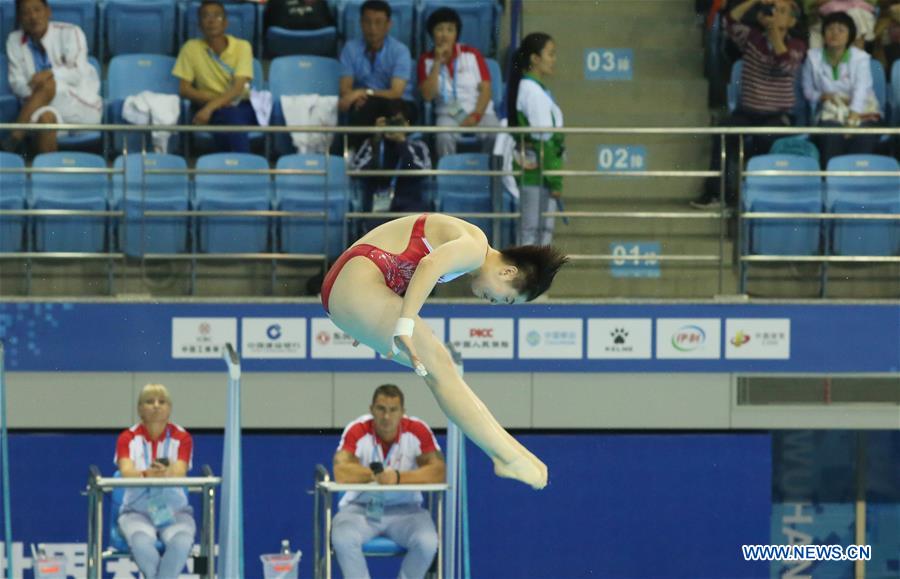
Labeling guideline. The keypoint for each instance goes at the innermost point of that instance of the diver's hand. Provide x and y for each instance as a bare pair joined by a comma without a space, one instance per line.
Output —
402,342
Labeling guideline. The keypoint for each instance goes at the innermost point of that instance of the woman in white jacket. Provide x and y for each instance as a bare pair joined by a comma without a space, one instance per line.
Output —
50,73
837,82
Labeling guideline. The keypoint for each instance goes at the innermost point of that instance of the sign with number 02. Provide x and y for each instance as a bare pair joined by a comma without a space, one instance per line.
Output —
621,158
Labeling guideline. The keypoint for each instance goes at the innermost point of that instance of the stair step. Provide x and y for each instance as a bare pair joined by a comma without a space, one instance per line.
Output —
677,280
611,118
597,236
638,96
598,11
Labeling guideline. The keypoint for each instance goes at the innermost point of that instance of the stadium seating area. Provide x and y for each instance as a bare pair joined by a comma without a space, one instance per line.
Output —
809,194
116,27
219,183
306,62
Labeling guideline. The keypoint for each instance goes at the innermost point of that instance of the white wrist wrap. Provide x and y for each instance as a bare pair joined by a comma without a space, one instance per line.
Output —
404,327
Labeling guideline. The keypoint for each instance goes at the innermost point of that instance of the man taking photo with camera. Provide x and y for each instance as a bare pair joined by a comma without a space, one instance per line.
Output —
393,151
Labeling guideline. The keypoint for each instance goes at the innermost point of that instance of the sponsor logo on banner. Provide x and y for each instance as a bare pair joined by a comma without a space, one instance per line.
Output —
329,341
550,338
483,337
758,338
202,337
620,338
273,337
678,338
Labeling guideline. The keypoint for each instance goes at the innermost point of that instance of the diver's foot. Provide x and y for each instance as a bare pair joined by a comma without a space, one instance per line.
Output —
527,469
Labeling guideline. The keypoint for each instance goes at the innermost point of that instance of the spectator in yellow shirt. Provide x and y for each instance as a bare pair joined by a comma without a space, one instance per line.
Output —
215,73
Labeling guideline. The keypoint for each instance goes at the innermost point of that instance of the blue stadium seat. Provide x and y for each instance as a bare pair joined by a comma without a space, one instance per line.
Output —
243,22
203,140
411,92
471,185
84,140
12,196
498,87
304,75
230,192
382,547
82,13
284,42
879,84
733,95
9,103
469,193
149,192
402,21
139,27
864,195
130,74
895,94
70,191
295,75
791,194
463,203
7,19
480,22
307,193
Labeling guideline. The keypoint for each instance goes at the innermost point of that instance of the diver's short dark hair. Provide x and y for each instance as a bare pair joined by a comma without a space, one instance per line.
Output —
389,391
537,265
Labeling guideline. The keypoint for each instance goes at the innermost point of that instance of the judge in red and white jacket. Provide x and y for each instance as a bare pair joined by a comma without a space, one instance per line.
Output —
50,73
156,448
456,78
406,452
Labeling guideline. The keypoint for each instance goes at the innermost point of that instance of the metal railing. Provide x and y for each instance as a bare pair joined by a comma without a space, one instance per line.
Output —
496,216
98,486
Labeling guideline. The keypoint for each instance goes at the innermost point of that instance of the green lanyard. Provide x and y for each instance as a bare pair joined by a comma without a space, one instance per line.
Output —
835,70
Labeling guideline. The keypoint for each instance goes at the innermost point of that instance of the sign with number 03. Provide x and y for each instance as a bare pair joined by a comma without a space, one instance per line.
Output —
635,258
608,63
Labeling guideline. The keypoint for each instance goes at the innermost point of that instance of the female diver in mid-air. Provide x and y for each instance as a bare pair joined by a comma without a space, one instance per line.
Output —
375,289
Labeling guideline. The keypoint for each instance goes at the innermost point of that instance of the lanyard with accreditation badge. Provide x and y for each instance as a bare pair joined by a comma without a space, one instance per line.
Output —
160,512
375,506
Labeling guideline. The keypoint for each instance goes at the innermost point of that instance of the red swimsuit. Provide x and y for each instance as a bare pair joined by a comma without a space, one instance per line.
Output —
397,269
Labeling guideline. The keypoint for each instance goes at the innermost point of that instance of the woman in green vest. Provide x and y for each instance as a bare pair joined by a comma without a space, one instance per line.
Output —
530,104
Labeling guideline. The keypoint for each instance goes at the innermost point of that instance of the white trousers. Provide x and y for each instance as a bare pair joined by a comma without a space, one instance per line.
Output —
533,229
409,526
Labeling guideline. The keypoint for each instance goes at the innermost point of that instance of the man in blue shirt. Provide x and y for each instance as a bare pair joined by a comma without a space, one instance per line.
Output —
374,69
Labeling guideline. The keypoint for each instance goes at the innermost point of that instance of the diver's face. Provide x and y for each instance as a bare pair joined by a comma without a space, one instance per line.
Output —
497,287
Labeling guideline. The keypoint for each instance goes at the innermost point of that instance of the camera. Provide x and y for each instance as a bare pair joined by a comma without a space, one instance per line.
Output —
767,9
163,461
376,467
396,122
